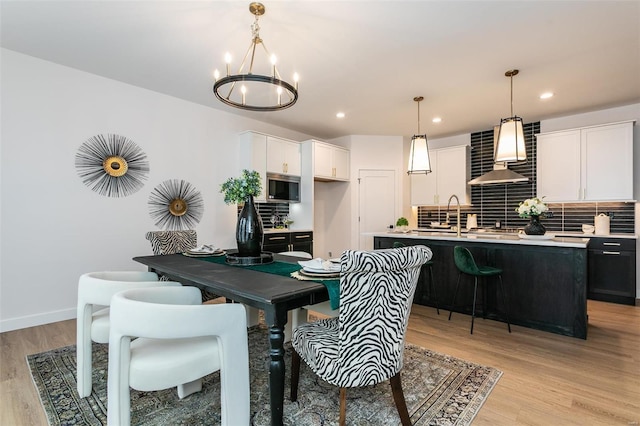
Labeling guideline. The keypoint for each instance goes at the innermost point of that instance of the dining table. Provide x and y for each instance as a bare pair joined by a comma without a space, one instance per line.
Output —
263,287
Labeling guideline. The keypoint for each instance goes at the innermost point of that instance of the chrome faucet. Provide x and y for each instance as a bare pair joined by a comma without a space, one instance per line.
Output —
457,215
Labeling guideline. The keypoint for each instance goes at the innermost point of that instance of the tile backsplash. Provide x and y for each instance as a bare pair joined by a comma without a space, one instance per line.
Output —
266,210
497,203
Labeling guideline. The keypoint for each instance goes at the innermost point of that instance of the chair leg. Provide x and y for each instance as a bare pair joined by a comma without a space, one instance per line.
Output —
455,293
295,374
433,287
343,406
504,302
398,397
473,308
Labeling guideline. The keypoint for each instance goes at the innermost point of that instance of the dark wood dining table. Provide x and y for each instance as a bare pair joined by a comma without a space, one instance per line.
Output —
274,294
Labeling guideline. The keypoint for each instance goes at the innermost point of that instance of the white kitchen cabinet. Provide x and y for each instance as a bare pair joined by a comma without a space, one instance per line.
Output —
252,155
449,175
587,164
330,162
283,157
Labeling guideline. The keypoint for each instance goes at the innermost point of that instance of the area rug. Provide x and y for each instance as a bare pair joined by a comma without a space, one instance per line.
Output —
439,389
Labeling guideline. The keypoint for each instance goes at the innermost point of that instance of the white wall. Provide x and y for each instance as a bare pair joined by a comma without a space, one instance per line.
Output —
53,228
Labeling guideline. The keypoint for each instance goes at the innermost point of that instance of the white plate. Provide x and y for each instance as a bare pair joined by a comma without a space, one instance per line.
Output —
537,237
318,275
321,271
319,265
335,260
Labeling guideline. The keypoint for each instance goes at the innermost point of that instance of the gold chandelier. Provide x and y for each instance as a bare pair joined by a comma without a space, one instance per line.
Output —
257,92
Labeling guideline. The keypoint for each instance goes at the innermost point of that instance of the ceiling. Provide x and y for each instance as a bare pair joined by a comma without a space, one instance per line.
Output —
368,59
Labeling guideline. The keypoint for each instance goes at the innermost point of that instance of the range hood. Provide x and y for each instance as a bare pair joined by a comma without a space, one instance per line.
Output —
499,175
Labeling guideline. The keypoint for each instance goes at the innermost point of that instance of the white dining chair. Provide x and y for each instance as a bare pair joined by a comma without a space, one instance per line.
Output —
95,290
178,341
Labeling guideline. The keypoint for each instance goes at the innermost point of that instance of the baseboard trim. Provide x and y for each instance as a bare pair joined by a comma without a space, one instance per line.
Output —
35,320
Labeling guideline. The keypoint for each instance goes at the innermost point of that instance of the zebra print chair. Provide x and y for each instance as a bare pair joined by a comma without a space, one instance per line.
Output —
172,242
364,345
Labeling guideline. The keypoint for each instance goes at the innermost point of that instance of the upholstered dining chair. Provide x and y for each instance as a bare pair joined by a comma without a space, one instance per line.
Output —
178,341
172,242
301,315
95,290
364,345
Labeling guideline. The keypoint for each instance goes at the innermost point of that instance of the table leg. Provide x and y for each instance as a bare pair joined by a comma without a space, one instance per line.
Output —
276,322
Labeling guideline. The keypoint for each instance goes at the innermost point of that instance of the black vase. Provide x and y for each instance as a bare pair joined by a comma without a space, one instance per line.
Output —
249,230
534,227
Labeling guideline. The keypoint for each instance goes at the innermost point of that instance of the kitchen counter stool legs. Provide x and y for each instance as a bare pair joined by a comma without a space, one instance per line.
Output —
466,265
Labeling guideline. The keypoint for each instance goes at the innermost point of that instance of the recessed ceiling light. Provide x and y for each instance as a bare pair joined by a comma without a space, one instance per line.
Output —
436,119
546,95
340,115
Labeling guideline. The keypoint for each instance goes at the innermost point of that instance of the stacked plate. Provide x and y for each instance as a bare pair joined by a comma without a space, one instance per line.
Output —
319,268
206,250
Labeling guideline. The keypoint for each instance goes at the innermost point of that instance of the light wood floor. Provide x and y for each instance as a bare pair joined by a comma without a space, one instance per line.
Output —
548,379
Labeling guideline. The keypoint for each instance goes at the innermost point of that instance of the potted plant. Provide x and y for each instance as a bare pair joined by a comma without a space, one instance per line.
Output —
249,231
402,223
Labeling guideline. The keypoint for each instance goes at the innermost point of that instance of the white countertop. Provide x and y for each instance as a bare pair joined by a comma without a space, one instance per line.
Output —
494,238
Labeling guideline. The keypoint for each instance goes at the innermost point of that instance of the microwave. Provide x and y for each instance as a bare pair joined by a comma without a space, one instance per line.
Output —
283,189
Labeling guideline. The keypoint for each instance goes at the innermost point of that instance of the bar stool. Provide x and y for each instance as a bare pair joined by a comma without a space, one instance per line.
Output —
467,265
432,286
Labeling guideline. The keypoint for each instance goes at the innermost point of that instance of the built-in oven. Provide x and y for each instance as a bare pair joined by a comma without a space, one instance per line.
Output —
283,189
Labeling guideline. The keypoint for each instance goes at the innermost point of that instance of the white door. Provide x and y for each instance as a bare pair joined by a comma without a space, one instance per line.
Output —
376,203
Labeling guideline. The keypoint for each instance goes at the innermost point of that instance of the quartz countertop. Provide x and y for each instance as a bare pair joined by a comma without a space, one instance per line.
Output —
576,241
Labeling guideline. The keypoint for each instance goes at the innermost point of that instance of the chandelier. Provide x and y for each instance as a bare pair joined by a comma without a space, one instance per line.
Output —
510,147
419,161
256,92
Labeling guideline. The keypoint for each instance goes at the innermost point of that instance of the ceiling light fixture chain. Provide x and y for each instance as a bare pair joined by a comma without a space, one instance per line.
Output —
258,92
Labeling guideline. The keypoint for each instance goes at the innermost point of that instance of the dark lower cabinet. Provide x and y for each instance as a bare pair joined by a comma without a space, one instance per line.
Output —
278,242
612,270
546,286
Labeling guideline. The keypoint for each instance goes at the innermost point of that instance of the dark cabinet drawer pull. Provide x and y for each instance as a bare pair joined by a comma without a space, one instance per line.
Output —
611,252
276,238
611,244
303,236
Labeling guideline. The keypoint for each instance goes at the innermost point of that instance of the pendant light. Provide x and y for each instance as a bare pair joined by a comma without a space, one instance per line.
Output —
257,92
510,147
419,161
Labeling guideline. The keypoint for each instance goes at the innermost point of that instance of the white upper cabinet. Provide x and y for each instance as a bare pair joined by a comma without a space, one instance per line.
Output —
330,162
283,157
449,175
587,164
253,156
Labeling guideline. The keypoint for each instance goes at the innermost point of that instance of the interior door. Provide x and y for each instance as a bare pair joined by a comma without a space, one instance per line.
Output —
376,203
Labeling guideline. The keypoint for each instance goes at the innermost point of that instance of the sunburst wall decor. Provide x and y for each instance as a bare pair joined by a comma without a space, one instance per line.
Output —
112,165
175,205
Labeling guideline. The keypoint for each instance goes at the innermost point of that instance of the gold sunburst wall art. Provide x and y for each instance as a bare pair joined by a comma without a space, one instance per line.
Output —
175,205
112,165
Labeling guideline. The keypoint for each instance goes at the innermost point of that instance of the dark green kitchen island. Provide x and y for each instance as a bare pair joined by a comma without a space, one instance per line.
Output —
545,280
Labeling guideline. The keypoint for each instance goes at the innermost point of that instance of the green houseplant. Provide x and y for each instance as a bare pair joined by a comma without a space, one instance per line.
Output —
249,231
402,223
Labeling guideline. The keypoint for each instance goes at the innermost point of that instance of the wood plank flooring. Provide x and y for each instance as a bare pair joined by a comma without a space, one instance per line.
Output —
548,379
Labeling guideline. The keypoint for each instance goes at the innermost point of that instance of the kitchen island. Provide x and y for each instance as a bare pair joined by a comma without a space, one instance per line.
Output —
545,280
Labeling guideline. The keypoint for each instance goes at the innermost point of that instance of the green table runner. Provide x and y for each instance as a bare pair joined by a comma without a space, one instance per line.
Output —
283,269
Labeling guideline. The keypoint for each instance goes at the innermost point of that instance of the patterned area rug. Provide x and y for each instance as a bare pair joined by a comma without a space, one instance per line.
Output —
439,389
